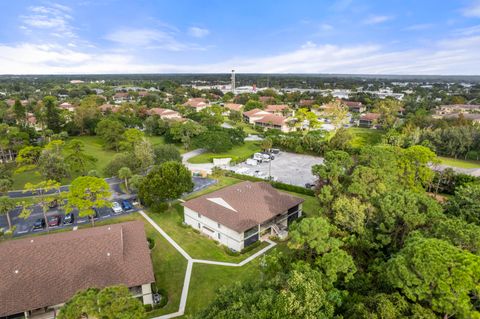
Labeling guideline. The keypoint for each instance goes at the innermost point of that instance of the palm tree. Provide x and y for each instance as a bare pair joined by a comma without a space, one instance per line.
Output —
125,173
6,205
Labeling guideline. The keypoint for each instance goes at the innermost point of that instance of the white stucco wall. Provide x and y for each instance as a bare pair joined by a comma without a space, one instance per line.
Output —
228,237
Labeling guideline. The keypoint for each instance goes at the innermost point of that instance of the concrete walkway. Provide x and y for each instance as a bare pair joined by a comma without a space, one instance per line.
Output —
191,261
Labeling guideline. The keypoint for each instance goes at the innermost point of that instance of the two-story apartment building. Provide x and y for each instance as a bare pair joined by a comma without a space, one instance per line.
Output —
39,274
238,215
266,119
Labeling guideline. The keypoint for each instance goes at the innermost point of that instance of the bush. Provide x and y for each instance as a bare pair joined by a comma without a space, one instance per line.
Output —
151,243
230,252
251,247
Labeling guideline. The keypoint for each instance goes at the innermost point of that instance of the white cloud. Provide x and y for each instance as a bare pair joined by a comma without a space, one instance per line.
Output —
376,19
149,39
449,56
326,27
198,32
54,19
473,10
468,31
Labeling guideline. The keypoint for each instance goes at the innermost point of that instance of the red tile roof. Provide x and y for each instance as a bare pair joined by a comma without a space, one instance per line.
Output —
253,204
271,119
276,107
370,116
352,104
234,106
48,270
252,112
196,102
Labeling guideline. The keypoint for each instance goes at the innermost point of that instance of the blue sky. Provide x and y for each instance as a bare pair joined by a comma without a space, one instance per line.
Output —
345,36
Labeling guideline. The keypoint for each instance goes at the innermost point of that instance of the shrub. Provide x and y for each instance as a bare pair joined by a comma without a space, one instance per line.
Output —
251,247
151,243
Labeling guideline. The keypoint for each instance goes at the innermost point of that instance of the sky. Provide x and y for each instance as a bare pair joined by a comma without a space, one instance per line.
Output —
251,36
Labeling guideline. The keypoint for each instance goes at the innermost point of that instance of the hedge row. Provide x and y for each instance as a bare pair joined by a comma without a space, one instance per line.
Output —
278,185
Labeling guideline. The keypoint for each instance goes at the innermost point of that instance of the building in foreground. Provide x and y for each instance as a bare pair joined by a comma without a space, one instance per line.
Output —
39,274
239,215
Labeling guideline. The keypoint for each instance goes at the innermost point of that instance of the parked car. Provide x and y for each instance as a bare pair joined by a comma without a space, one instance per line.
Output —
96,213
54,220
275,151
39,224
309,185
69,219
126,205
258,157
117,209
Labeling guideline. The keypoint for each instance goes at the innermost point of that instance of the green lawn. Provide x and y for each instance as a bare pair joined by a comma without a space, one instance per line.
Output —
207,279
459,163
93,146
196,245
365,136
238,152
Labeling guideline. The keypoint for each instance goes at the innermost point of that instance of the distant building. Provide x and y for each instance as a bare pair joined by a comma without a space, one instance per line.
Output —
368,119
474,117
457,108
39,274
278,109
165,114
76,82
356,107
266,99
237,215
266,119
109,107
67,106
198,103
306,103
121,97
233,107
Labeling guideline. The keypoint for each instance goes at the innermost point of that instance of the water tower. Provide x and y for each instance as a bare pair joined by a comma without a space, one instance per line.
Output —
233,81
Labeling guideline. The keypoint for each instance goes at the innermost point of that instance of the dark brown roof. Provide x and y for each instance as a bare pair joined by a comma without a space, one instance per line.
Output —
48,270
252,204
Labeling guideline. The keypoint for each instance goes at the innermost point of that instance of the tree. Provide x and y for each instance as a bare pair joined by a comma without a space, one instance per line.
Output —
266,144
216,141
143,153
119,161
51,163
349,213
185,132
77,160
110,131
125,173
414,166
135,182
211,116
466,203
52,114
341,140
5,185
252,104
388,110
114,302
87,114
20,112
164,183
433,271
130,138
165,153
6,205
87,193
43,194
27,158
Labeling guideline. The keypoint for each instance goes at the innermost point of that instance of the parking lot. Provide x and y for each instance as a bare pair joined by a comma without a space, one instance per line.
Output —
25,226
289,168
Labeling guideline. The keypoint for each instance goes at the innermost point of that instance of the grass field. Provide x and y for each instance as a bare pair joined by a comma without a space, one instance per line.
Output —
365,136
94,147
459,163
243,151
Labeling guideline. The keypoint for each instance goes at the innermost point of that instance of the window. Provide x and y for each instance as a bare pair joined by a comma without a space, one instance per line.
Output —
219,236
218,224
199,226
199,216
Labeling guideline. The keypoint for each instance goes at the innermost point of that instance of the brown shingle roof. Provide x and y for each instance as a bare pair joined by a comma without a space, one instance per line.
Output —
254,203
251,112
48,270
271,118
196,102
352,104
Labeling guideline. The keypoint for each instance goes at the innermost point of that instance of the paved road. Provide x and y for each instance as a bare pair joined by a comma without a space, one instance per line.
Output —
207,167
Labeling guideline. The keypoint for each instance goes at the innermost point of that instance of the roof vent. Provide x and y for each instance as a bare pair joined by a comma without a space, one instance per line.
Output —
220,201
108,254
16,271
